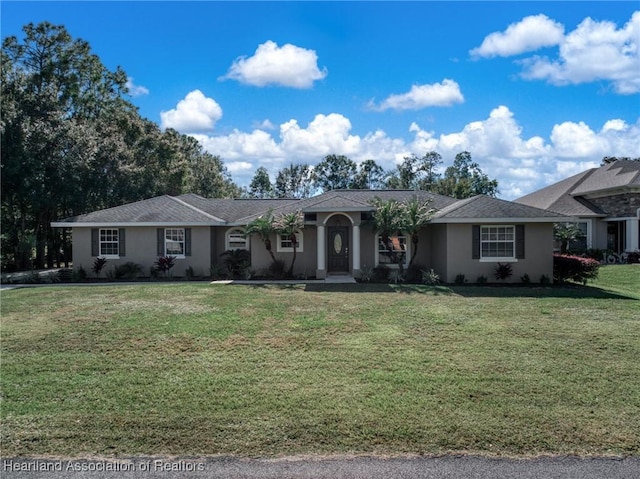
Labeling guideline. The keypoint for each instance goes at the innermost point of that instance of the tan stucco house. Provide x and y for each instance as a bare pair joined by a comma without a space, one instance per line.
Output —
466,237
604,202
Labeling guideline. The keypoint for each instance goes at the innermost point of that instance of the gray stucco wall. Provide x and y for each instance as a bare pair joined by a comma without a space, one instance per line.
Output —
538,258
141,248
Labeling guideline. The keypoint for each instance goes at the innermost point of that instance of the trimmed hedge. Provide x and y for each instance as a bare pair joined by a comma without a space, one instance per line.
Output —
574,268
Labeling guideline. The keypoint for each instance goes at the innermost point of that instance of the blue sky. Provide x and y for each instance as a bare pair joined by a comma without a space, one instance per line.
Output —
536,91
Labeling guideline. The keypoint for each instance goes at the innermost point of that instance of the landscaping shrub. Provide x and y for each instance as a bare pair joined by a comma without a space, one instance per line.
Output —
277,268
574,268
633,258
461,279
237,262
598,254
164,264
98,265
503,271
430,277
482,279
525,279
366,274
381,273
128,270
413,274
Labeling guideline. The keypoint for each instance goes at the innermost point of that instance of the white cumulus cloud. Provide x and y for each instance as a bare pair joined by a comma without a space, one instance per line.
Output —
520,163
529,34
594,51
289,66
195,113
446,93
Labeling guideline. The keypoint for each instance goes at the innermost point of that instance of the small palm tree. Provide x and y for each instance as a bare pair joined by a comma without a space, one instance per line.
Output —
388,220
288,225
566,232
263,227
416,215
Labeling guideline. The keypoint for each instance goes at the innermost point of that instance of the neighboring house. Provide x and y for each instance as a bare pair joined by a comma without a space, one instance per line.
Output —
464,237
605,203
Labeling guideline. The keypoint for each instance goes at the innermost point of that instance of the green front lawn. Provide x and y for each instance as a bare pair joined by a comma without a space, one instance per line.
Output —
197,369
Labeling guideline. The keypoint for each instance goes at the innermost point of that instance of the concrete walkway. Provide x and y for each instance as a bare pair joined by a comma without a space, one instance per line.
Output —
331,279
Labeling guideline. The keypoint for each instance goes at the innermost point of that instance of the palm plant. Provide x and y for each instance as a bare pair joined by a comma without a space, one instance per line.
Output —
263,227
388,220
566,232
416,215
288,225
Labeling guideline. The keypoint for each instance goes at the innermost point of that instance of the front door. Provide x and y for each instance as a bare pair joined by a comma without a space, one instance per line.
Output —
338,249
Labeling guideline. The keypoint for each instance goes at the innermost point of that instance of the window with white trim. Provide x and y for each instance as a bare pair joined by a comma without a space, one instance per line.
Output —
174,242
236,239
498,242
285,245
395,250
109,243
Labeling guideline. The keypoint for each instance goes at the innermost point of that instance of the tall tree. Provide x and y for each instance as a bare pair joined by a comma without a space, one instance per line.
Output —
334,172
428,164
370,176
294,181
260,186
405,176
58,91
465,179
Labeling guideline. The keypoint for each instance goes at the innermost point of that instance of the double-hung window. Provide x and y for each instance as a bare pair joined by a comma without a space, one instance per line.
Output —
498,242
174,242
109,243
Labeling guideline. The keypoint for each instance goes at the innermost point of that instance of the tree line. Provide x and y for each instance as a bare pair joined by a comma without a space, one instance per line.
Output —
72,142
462,179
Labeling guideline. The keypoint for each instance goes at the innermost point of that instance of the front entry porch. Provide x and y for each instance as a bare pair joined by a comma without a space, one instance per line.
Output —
338,246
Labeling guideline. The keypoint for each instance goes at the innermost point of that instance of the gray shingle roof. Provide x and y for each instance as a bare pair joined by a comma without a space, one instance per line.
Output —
160,210
196,210
486,207
565,196
618,174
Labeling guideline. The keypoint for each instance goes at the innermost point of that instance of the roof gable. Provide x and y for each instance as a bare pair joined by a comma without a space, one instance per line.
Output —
619,174
568,196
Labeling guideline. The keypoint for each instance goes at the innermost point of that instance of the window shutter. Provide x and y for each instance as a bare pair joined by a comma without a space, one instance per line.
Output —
122,251
160,248
187,241
476,242
519,241
95,244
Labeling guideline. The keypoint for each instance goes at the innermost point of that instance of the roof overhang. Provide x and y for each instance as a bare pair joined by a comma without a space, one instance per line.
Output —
548,219
71,224
602,192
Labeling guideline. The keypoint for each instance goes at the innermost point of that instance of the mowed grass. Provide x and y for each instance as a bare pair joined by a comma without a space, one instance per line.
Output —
199,369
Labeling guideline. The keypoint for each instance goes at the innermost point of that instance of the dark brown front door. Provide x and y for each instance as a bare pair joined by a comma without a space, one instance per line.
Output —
338,249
